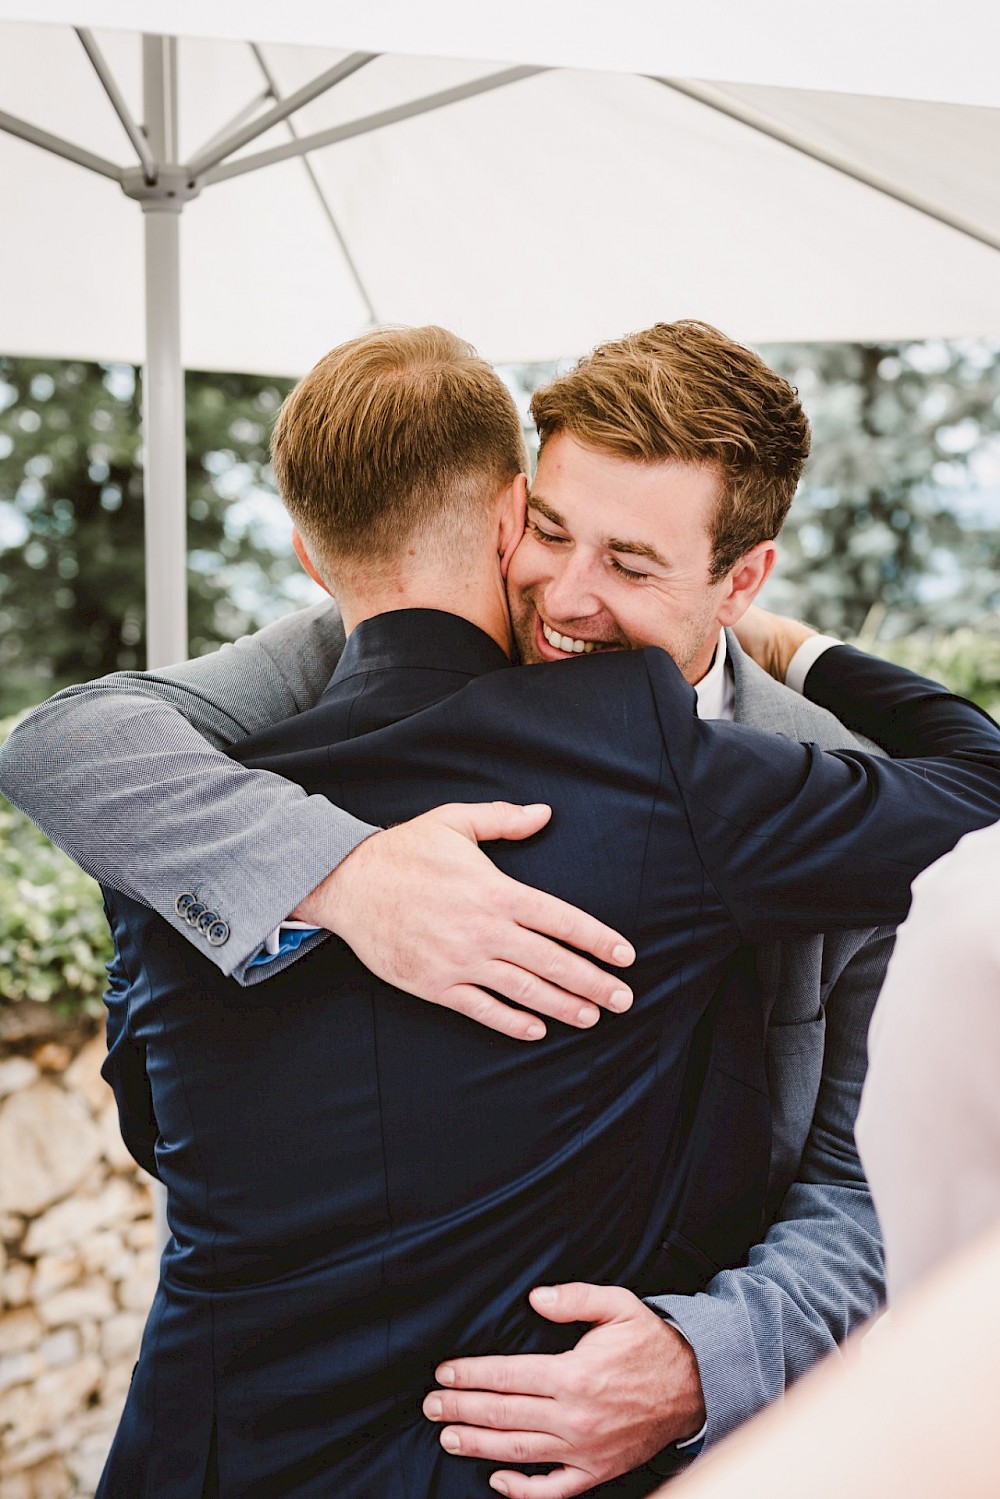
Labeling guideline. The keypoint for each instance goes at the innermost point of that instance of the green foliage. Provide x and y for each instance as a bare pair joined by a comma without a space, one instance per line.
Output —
54,940
71,520
881,521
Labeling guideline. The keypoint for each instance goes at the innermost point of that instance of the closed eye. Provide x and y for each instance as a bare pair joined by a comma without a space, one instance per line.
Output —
548,537
628,572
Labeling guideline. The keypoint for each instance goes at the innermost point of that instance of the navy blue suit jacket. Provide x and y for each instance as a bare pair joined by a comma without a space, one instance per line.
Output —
358,1187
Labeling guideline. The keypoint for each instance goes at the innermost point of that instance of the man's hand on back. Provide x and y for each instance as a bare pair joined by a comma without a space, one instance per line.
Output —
628,1389
427,911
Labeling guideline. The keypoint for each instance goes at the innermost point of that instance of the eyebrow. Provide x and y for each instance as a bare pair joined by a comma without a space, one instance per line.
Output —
636,549
546,511
613,543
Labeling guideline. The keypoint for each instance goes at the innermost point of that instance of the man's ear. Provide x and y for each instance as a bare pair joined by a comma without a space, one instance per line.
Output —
307,562
512,513
746,580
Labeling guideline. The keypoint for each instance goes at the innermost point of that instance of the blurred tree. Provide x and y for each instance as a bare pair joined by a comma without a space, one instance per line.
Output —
71,520
877,540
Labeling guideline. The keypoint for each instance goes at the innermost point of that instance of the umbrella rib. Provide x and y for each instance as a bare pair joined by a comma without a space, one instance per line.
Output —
121,109
328,213
35,136
371,122
211,155
745,115
239,118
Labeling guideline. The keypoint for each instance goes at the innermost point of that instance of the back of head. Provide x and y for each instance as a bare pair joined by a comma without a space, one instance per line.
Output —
685,392
400,435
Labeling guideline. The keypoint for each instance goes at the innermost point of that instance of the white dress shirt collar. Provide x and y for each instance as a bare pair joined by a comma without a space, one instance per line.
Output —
716,692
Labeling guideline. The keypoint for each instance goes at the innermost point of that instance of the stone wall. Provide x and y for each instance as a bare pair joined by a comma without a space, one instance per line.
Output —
78,1260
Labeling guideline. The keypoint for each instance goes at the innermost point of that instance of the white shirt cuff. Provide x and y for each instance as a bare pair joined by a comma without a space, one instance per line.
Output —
699,1436
272,942
690,1441
805,659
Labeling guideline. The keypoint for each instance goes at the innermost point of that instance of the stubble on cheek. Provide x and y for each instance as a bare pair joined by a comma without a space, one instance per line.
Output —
522,618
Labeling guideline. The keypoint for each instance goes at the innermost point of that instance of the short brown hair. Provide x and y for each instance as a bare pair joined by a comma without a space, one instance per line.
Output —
390,434
685,391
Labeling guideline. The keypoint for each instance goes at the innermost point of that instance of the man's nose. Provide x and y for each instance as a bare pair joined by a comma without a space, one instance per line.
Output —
571,592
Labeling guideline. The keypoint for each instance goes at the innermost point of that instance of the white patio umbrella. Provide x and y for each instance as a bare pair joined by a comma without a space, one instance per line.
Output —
532,206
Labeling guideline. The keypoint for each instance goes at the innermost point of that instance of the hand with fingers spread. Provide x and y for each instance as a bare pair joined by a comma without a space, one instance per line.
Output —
628,1389
424,908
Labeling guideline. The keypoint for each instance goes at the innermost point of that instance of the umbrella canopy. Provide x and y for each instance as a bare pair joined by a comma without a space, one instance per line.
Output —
535,218
532,206
916,49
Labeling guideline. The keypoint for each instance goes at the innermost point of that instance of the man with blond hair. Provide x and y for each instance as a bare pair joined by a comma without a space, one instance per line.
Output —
678,832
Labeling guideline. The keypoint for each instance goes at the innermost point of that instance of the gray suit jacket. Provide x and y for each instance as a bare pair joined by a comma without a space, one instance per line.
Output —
144,801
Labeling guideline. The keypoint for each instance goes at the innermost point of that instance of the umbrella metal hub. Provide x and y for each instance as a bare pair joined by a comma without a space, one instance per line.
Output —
172,187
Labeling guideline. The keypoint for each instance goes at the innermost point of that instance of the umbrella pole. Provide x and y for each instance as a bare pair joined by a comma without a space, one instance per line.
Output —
163,383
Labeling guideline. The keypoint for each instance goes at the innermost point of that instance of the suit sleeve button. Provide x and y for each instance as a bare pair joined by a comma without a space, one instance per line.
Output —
193,912
182,902
206,919
218,933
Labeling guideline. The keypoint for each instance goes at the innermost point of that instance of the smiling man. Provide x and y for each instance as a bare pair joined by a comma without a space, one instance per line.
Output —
667,464
575,587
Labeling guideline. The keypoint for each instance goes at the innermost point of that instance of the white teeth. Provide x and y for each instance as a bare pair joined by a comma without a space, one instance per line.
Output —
567,643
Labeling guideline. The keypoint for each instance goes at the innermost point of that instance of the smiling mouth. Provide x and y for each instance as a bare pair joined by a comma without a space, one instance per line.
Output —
571,644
